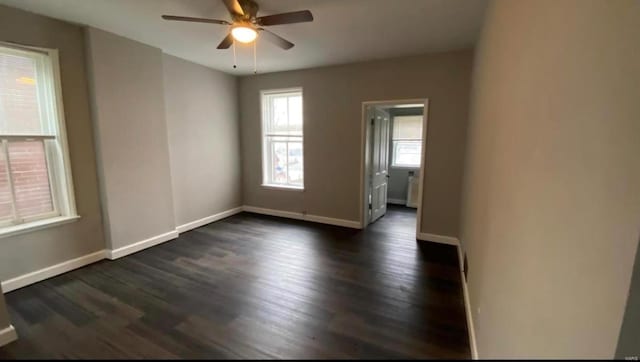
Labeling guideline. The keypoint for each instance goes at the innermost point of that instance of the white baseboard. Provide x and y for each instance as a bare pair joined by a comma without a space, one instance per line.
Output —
300,216
442,239
470,327
272,212
141,245
207,220
331,221
51,271
467,307
397,202
8,335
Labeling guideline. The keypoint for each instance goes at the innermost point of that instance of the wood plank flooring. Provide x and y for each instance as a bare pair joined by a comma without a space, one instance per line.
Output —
253,286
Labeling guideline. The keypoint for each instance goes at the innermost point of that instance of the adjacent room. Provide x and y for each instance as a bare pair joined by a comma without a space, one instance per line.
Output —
319,179
392,162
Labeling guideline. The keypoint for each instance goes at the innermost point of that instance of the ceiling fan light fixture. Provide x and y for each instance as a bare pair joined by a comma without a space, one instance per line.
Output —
244,34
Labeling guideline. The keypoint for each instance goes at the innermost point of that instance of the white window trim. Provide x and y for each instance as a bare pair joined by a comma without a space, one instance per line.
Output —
36,225
395,165
393,155
62,135
61,185
265,163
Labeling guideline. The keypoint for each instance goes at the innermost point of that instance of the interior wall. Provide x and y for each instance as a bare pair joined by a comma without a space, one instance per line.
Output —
333,99
25,253
552,180
131,133
399,177
204,139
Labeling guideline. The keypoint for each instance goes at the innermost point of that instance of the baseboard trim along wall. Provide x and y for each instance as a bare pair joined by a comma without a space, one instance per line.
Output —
51,271
141,245
273,212
306,217
467,307
207,220
8,335
442,239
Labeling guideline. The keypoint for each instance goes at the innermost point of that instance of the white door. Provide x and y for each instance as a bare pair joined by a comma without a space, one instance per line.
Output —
379,163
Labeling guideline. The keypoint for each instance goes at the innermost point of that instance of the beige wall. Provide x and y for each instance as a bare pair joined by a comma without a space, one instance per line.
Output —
131,133
204,139
39,249
552,182
333,99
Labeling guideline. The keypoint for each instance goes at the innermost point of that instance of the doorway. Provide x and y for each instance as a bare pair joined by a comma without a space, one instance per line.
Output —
393,157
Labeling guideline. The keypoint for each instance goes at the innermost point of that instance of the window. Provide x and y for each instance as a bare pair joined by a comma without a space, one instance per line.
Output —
282,138
407,141
35,184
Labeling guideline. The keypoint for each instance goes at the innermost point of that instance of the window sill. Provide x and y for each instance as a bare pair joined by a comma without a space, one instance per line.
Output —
36,225
282,187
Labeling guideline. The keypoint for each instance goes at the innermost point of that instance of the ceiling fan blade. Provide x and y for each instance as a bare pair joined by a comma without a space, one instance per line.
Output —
233,6
226,42
285,18
277,39
195,20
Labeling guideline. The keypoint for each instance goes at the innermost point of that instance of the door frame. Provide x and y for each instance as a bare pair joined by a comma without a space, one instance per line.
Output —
365,127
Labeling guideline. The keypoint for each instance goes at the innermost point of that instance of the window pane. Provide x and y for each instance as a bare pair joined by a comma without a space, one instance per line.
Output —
279,162
6,211
30,178
295,115
278,123
407,153
407,127
19,110
295,163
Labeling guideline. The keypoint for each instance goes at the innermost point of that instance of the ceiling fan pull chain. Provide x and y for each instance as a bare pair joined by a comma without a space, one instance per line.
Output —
233,44
255,57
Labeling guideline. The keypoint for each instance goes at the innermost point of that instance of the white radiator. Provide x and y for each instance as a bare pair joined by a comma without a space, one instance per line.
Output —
412,191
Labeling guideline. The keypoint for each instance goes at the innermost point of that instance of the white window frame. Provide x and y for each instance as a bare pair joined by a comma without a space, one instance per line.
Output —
55,143
265,111
395,141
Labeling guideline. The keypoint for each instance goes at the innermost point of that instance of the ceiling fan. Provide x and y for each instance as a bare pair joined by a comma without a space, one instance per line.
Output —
245,24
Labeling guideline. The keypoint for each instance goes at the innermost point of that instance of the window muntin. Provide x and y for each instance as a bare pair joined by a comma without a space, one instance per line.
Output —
35,181
282,138
407,141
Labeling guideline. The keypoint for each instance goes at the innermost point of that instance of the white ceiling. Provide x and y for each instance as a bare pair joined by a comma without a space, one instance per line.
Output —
343,31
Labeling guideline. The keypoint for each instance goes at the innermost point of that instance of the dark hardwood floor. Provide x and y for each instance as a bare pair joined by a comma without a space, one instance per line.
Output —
254,286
